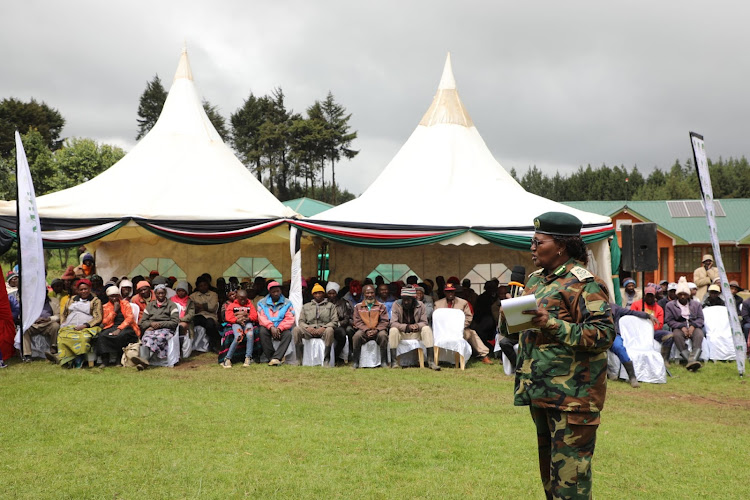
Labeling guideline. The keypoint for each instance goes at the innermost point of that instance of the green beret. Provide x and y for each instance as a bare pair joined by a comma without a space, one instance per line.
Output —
558,223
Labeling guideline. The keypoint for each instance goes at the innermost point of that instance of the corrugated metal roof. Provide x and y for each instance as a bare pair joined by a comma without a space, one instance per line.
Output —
307,206
734,227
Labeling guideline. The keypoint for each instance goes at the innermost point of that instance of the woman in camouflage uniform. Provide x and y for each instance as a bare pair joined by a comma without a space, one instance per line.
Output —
562,363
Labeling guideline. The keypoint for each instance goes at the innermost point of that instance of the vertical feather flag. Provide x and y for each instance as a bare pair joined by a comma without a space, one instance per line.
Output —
32,285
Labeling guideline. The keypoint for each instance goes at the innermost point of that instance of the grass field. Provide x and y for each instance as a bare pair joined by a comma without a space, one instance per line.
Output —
201,431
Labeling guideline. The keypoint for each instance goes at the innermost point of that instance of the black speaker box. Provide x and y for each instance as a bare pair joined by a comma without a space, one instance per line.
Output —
639,250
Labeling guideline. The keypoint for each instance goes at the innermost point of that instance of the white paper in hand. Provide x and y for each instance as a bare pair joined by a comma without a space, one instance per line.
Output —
513,310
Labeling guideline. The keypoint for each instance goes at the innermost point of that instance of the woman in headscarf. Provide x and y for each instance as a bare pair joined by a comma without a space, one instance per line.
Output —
87,268
119,328
11,282
126,288
186,306
158,324
81,320
144,295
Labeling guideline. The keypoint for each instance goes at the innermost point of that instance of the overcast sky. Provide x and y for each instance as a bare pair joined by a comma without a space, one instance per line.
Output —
547,83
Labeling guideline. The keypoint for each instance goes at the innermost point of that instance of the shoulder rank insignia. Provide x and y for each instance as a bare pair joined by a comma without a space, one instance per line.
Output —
581,273
538,272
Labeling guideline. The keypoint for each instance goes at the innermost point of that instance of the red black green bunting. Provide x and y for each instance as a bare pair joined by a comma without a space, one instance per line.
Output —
201,234
381,237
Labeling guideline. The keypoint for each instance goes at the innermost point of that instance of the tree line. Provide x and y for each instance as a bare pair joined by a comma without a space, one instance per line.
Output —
730,178
287,151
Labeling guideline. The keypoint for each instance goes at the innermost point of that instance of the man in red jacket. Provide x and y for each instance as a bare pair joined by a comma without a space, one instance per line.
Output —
242,316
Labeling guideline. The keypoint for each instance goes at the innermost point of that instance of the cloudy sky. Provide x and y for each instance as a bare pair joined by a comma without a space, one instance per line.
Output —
547,83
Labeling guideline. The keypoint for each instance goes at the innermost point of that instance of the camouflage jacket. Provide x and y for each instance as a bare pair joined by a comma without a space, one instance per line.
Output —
564,365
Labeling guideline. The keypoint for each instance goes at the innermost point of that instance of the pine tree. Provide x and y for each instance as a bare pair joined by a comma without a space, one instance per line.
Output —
24,116
150,106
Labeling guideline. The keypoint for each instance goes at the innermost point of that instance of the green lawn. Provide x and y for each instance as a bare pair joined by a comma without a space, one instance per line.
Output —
201,431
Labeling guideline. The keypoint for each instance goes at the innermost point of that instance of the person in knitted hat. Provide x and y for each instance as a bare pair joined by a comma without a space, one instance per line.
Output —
704,275
629,293
87,268
11,282
318,319
409,322
119,328
685,318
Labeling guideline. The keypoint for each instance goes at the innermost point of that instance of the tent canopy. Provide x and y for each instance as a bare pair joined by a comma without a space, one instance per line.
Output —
180,181
472,197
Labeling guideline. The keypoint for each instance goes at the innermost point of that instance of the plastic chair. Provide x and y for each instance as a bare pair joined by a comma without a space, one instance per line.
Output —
719,334
638,339
369,356
313,352
173,353
448,329
136,312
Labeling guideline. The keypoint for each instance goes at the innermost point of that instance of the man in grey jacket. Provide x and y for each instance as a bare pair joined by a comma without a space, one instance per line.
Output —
685,318
318,319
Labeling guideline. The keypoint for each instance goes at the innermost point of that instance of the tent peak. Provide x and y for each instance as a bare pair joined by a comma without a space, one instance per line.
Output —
183,67
447,81
446,107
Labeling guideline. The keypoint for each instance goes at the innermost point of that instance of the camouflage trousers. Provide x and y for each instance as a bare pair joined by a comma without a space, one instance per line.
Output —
566,446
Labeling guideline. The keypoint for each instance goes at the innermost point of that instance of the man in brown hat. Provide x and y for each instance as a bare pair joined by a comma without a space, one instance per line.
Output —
704,276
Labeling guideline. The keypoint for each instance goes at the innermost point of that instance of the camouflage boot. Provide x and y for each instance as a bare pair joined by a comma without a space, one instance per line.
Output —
630,369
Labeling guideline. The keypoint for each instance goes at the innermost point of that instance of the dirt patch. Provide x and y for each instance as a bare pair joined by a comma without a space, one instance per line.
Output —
203,359
713,401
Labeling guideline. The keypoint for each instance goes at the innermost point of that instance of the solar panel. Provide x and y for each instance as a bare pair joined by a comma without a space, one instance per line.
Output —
693,208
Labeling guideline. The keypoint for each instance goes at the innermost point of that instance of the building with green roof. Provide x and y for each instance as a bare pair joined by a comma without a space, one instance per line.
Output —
682,233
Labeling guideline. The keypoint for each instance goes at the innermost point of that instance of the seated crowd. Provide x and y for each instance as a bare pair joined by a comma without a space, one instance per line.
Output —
86,321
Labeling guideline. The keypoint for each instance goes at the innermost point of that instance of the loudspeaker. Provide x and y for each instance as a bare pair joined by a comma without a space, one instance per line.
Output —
639,250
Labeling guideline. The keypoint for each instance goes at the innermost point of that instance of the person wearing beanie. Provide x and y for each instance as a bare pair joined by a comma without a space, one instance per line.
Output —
143,295
318,320
685,317
276,319
409,322
158,325
87,269
119,328
11,282
126,289
562,361
656,313
705,275
187,310
629,293
163,280
670,295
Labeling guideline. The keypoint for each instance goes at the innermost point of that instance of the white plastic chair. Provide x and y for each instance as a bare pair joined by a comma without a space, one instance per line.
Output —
369,356
638,339
719,334
173,353
136,312
313,352
200,339
448,329
508,368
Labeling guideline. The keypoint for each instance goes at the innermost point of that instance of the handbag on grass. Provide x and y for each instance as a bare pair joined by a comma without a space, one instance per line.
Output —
130,351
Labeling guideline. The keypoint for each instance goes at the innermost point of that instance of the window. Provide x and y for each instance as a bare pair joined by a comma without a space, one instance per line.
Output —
165,267
392,272
732,259
686,260
252,267
485,272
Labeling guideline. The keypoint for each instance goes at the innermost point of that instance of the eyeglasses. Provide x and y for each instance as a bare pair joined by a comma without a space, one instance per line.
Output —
535,242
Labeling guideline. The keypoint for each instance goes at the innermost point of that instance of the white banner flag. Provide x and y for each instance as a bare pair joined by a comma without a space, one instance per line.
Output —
33,287
704,178
295,289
